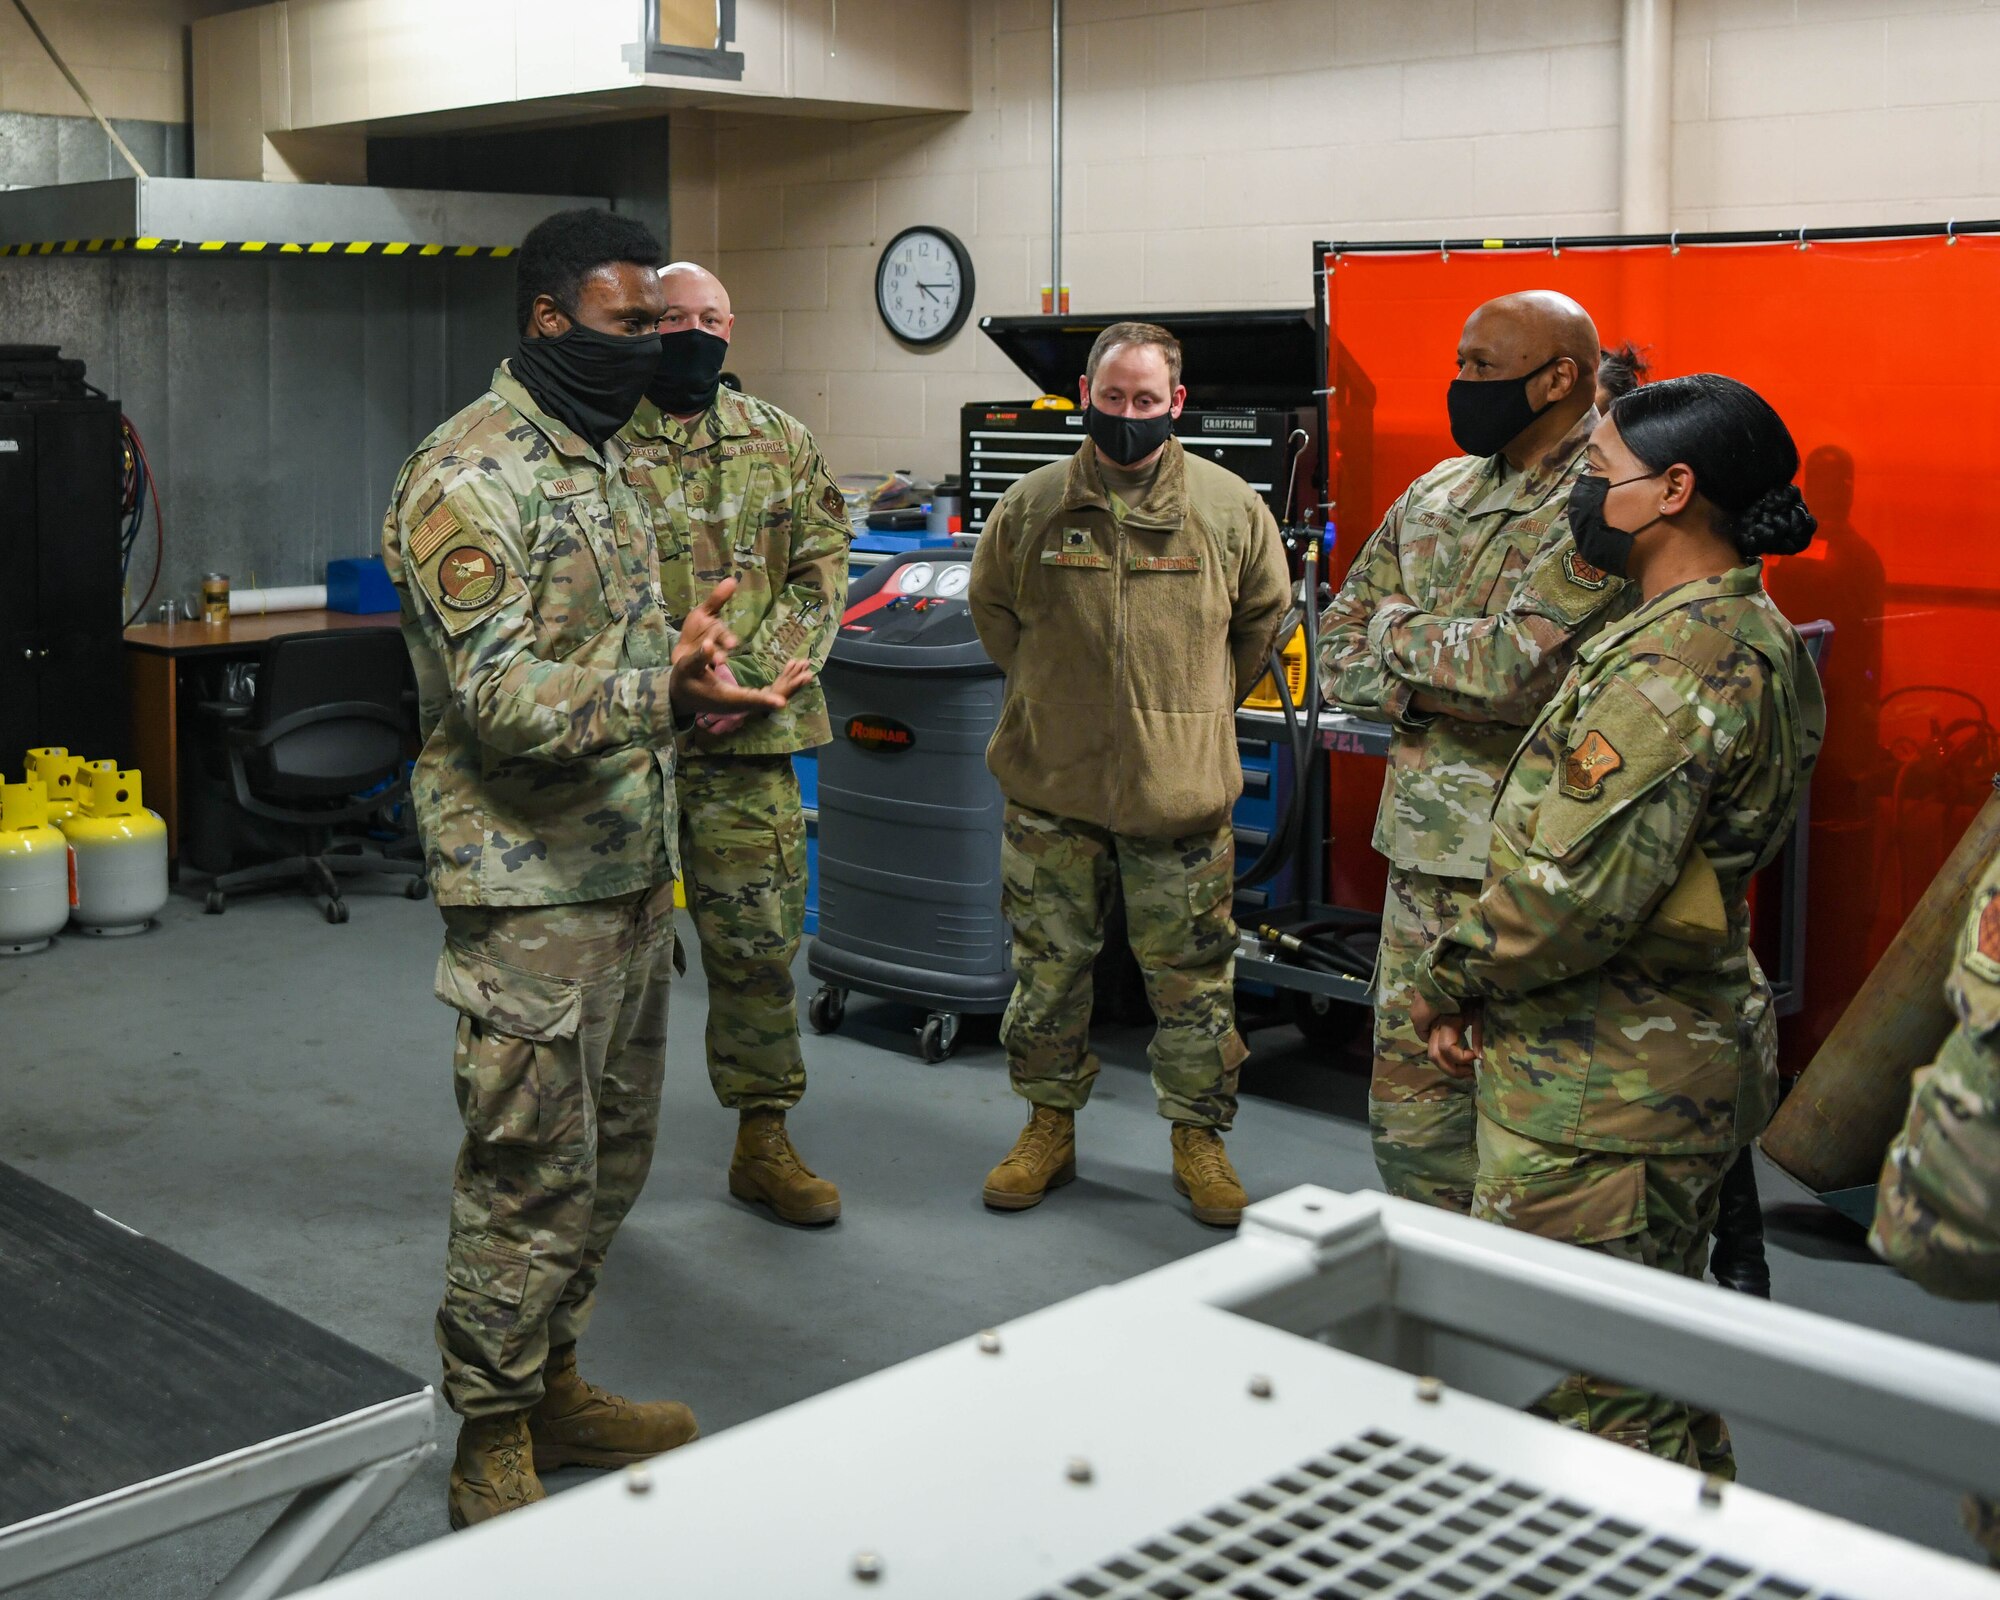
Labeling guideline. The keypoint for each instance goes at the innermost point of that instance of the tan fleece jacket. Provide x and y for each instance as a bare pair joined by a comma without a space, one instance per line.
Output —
1127,643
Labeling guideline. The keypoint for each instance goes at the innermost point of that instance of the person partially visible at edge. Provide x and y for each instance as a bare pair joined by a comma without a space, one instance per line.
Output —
1937,1206
552,690
1619,372
1600,997
1132,594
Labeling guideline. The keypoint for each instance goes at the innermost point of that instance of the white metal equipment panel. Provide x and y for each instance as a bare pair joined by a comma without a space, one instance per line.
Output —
1324,1407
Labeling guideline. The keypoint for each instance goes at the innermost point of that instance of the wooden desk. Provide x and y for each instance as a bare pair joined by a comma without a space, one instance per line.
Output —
154,652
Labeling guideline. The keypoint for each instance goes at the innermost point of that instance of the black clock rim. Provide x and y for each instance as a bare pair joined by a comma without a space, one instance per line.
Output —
958,317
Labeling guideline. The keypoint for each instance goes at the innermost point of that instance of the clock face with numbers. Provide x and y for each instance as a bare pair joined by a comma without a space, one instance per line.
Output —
923,285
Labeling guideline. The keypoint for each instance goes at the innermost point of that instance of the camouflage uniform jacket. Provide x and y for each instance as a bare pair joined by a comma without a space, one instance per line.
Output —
531,608
1128,641
742,493
1497,601
1937,1216
1610,942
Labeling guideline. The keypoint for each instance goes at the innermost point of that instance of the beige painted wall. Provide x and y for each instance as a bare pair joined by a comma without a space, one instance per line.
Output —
1208,145
131,56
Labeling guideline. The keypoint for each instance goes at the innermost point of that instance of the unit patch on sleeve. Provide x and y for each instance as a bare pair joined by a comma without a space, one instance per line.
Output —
1582,573
1587,766
831,502
469,577
1984,957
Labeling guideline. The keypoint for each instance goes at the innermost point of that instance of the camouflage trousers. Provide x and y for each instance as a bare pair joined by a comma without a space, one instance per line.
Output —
562,1040
1656,1210
1056,877
1421,1120
743,859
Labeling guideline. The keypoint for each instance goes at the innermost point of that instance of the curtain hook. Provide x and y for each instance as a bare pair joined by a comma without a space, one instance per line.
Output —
1802,239
1555,245
1674,242
1950,237
1444,249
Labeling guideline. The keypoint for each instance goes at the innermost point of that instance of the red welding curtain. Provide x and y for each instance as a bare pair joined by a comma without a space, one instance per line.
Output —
1878,354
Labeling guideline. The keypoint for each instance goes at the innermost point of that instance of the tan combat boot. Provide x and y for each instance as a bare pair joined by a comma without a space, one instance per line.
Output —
1202,1172
492,1472
577,1424
767,1170
1043,1158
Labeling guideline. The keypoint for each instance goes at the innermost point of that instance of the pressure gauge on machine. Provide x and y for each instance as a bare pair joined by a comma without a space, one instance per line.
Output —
954,580
915,578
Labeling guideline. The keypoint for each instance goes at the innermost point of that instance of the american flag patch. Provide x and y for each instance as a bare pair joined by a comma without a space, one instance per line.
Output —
439,526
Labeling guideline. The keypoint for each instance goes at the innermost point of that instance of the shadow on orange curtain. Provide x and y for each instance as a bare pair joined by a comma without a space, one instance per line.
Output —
1873,351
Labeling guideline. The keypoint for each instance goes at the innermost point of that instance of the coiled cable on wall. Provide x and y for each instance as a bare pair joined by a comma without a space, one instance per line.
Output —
138,484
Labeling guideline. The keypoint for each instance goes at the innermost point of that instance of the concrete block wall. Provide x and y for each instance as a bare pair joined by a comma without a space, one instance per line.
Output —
1208,144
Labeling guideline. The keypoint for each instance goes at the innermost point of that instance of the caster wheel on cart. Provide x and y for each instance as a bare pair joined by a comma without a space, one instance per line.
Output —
215,903
939,1037
1330,1024
336,911
826,1009
415,889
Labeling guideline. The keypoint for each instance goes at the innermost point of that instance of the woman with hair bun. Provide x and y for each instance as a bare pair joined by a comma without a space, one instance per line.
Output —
1603,987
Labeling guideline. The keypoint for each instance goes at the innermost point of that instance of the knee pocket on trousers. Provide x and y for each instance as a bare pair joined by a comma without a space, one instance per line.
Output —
1594,1202
489,1268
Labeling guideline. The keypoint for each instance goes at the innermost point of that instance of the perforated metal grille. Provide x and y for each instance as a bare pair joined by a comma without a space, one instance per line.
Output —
1379,1517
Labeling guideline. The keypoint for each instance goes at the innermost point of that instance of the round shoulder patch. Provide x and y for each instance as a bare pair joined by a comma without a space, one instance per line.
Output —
469,576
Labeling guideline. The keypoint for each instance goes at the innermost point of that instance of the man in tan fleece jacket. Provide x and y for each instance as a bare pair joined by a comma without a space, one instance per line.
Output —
1132,595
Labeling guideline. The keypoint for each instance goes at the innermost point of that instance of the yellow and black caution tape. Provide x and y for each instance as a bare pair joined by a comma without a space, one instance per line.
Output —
254,247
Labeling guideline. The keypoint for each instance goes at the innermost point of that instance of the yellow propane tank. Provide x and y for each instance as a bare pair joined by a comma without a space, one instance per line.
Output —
120,854
34,871
56,770
1265,696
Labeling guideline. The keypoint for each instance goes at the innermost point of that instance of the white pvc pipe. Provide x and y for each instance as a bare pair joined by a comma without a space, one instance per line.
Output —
1055,156
299,597
1646,141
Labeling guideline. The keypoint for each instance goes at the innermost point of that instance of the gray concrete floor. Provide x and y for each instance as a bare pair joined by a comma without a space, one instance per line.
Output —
270,1096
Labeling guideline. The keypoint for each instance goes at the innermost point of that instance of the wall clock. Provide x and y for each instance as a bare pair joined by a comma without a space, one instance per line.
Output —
923,285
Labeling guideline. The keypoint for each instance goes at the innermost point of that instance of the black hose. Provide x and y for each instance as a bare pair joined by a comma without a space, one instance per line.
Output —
1303,732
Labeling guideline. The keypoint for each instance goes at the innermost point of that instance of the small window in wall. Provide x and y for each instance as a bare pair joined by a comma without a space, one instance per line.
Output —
691,38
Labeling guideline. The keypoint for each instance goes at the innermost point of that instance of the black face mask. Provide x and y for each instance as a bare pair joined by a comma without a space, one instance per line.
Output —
1124,440
592,381
1602,545
690,370
1488,416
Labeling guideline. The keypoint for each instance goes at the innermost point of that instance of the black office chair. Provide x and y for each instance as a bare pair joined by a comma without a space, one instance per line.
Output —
328,721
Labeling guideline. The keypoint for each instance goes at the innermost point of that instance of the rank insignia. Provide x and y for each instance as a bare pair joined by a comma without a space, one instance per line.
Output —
1587,766
468,577
1075,539
1582,573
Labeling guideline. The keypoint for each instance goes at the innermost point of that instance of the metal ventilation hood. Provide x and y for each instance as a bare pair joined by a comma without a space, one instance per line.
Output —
196,213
